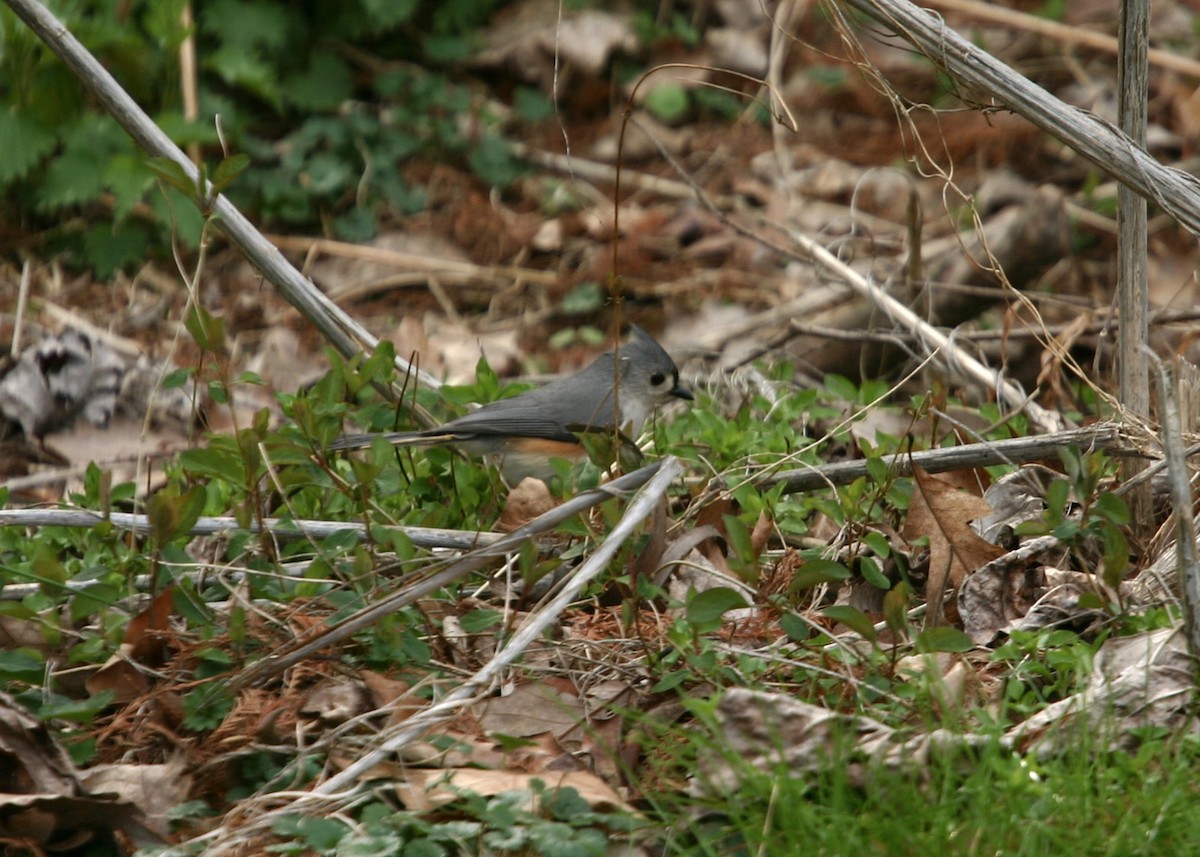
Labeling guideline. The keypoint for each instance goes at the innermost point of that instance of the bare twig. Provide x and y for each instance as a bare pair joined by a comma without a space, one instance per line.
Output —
1105,436
936,342
424,537
1065,33
1187,558
343,332
1086,133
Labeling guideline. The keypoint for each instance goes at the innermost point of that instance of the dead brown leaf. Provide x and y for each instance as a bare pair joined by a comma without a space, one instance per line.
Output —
945,513
144,644
531,709
153,789
424,790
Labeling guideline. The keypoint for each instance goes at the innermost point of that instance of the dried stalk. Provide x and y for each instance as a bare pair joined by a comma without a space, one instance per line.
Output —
343,332
423,537
1113,152
1103,436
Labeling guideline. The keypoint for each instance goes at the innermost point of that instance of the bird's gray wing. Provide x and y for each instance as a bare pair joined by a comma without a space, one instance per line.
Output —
552,412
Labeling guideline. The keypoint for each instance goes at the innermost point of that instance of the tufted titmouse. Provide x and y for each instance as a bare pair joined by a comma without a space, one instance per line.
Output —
528,431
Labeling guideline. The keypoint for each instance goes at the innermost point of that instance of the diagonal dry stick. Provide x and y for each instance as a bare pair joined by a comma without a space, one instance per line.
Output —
342,331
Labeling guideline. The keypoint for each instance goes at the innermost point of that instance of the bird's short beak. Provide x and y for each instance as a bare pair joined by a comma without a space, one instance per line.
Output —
682,392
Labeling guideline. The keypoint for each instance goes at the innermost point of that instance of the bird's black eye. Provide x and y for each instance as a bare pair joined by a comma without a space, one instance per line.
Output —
657,378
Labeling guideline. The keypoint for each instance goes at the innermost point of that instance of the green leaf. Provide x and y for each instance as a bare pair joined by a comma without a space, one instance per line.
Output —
322,87
73,178
492,161
817,571
214,462
878,543
190,508
478,621
856,620
869,568
668,103
76,710
47,567
1112,508
797,629
247,27
586,297
24,143
162,511
109,249
128,178
738,535
710,605
207,329
532,105
206,706
387,14
943,638
841,387
895,608
228,170
1116,555
21,665
245,69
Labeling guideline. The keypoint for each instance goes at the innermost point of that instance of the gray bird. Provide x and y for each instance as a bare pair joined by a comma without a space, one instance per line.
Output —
527,432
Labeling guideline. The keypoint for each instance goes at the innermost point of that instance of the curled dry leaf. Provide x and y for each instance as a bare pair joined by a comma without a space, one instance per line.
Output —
993,599
1137,683
531,709
944,513
336,700
425,790
144,645
47,801
153,789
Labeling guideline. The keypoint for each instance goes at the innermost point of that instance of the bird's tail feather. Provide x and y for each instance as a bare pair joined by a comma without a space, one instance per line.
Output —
396,438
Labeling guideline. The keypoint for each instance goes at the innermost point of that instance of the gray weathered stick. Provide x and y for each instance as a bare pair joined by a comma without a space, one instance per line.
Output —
1012,451
1133,281
343,332
1181,499
422,537
1175,191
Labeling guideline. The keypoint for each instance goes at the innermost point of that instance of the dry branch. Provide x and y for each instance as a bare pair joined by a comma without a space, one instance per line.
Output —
1095,139
423,537
1179,479
342,331
1061,32
1018,450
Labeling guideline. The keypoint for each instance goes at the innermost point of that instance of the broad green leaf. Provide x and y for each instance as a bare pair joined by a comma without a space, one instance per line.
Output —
1116,555
173,174
856,620
817,571
24,143
943,638
710,605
